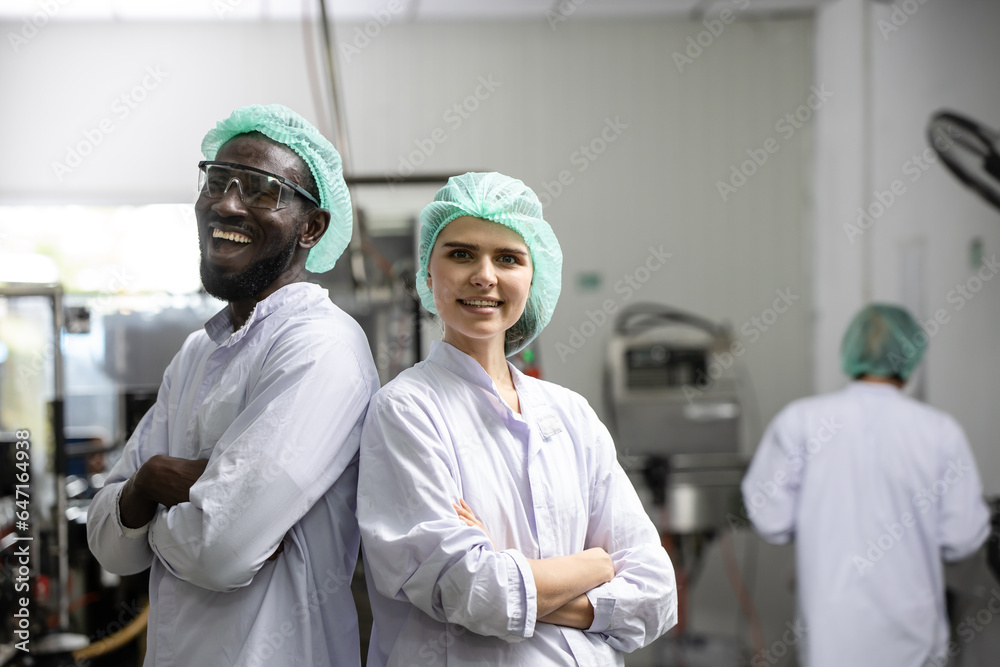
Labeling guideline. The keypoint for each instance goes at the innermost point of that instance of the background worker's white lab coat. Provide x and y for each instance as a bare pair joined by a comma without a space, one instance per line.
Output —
876,489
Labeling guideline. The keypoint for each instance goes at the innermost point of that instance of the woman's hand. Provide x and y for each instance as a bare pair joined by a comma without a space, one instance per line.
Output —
466,514
561,579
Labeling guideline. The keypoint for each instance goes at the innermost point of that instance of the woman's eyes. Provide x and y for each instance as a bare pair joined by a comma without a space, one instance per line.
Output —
503,259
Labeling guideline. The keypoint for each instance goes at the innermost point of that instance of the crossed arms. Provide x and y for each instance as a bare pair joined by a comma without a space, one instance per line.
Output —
215,523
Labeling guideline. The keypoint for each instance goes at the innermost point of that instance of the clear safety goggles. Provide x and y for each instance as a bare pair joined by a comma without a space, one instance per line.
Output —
257,188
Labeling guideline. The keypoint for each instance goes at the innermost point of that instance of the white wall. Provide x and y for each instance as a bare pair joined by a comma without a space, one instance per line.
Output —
907,66
943,56
841,269
655,184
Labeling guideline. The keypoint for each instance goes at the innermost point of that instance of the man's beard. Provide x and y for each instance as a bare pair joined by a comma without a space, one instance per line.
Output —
251,281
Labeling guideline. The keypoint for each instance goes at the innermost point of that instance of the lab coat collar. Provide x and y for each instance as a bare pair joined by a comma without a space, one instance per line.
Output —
876,387
461,364
289,300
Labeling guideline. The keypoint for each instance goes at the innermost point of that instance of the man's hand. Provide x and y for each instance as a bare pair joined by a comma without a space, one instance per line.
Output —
167,480
281,547
162,480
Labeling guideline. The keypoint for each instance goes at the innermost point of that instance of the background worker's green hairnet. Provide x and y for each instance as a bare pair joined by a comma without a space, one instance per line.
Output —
508,201
284,126
883,341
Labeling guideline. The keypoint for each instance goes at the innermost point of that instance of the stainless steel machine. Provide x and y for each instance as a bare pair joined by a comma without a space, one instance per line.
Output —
676,406
677,412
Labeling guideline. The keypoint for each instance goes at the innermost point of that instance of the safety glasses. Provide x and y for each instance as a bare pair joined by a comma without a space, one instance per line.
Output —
258,188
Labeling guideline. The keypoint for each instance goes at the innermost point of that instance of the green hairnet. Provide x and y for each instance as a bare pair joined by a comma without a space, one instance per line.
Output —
884,341
508,201
284,126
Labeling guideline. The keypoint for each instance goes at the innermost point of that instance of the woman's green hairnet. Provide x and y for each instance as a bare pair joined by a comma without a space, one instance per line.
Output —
284,126
508,201
883,341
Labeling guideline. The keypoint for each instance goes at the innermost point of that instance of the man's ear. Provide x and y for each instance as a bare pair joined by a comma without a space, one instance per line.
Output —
316,225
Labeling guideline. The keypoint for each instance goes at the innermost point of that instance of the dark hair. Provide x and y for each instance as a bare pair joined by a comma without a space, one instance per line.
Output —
895,377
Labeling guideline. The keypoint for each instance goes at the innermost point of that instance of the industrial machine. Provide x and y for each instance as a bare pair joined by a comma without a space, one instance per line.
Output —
677,412
674,398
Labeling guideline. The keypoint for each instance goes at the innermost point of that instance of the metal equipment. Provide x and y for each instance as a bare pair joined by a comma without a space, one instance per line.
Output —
676,408
673,395
667,393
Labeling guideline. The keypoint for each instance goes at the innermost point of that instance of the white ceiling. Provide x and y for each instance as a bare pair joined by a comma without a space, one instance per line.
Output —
363,10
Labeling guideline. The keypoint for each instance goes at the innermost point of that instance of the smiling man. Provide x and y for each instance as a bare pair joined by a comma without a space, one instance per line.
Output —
238,487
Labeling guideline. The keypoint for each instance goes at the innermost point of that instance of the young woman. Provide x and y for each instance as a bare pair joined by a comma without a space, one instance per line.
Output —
498,527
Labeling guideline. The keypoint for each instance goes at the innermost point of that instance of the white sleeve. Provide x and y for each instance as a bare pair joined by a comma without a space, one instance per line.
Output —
964,518
416,548
120,549
640,603
296,436
771,485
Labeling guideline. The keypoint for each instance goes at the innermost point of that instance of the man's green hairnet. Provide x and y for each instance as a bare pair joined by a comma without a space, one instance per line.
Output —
883,341
508,201
284,126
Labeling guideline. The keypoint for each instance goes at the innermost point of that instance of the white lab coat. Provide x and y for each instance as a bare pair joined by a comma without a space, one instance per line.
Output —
876,489
545,483
276,407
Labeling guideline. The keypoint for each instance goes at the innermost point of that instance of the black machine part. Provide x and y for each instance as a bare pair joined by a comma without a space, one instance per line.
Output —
969,150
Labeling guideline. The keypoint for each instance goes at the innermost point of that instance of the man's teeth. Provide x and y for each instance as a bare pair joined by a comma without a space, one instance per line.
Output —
479,303
230,236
